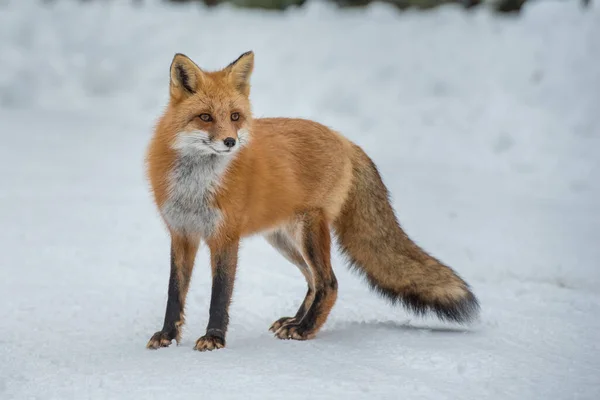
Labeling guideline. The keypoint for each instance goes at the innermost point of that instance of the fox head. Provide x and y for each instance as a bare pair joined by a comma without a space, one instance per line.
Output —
210,111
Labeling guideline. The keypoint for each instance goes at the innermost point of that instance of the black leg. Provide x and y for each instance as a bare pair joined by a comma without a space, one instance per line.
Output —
183,252
173,311
286,247
316,250
224,264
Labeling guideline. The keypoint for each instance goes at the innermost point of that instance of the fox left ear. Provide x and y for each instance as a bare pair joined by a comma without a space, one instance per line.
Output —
240,71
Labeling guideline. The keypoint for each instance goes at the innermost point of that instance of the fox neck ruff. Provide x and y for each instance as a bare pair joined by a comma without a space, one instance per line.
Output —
193,182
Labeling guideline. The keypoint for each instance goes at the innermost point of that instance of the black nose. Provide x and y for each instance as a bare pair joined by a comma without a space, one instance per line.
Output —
229,142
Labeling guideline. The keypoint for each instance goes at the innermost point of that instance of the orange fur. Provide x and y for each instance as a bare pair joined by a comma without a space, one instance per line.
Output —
288,166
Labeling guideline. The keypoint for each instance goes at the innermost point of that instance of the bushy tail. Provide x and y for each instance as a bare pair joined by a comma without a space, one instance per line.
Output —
371,238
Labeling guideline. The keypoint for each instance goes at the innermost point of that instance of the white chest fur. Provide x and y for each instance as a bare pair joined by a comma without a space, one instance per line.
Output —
192,185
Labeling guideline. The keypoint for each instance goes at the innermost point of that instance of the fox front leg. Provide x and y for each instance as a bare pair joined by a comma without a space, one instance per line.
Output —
224,264
183,254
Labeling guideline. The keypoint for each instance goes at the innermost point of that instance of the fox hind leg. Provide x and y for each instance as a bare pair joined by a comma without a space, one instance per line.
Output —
282,242
314,244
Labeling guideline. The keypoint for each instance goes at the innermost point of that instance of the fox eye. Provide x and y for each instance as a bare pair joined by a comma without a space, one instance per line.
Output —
235,116
205,117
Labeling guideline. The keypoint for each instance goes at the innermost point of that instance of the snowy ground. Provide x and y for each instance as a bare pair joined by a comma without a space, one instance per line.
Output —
486,130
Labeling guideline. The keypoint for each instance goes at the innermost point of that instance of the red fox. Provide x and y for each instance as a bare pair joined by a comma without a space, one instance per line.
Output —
218,175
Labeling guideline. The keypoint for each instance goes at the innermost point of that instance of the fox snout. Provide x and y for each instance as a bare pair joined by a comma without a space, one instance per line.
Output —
203,142
224,144
225,141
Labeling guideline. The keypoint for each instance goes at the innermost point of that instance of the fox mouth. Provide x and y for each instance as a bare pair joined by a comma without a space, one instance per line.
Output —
219,151
207,143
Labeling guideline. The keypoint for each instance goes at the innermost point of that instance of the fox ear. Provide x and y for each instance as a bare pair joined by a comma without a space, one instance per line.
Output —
186,77
240,71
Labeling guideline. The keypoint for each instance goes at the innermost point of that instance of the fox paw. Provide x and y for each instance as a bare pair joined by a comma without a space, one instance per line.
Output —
209,342
294,331
160,339
281,322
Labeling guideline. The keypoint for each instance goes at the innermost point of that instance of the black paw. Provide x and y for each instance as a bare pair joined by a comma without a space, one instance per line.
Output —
296,331
280,322
209,342
160,339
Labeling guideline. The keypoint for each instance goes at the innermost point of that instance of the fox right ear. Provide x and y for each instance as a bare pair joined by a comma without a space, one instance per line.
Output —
186,77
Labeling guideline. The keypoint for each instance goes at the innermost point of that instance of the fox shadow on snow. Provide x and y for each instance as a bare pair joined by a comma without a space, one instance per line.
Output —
357,331
359,328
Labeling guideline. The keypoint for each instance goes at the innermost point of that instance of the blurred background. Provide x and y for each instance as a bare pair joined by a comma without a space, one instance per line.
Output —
482,117
497,5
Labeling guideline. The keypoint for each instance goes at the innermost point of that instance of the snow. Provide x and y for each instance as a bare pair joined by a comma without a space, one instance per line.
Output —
486,130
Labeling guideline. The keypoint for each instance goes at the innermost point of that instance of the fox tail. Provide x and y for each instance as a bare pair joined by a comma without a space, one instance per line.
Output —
372,240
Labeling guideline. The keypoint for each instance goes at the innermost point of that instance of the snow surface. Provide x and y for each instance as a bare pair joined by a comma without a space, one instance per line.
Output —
486,130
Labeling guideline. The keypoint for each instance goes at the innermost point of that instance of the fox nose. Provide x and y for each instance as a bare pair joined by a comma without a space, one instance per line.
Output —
229,142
